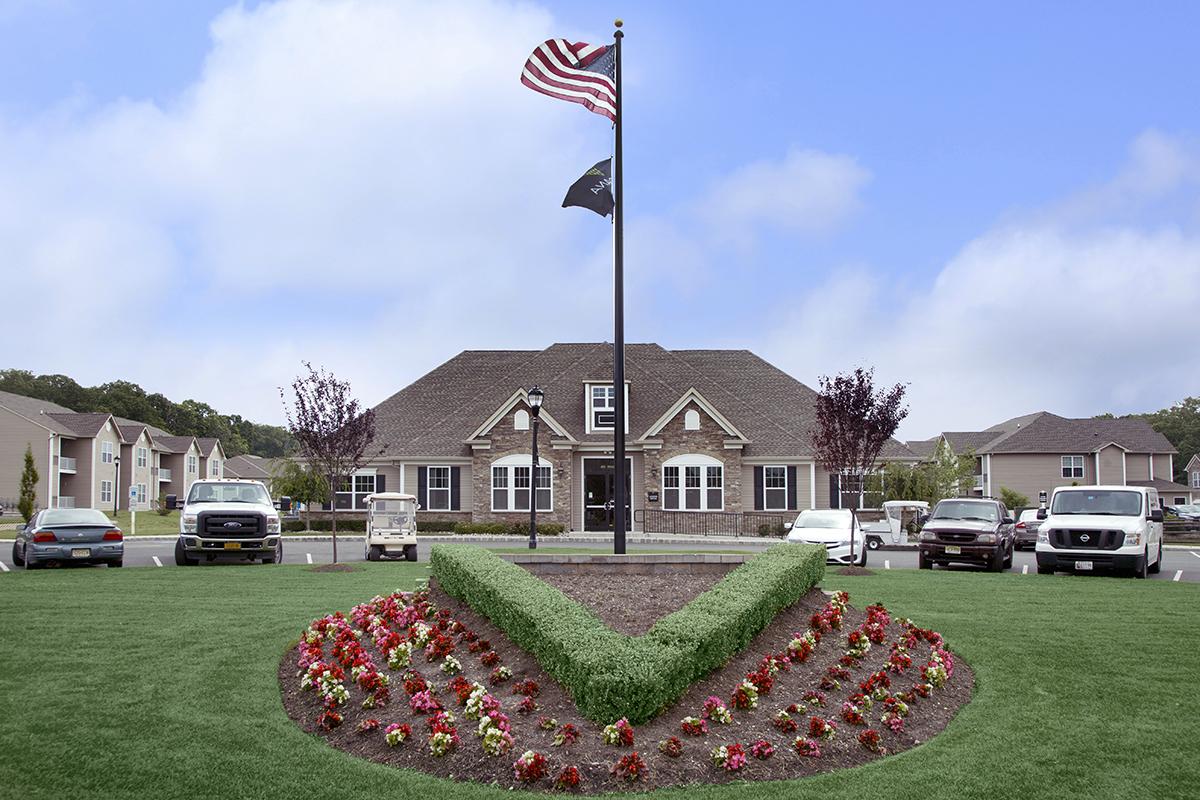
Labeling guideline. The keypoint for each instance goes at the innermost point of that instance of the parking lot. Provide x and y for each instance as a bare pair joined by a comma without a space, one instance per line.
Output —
1179,564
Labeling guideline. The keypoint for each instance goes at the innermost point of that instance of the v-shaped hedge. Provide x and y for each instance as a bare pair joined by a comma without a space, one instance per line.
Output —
612,675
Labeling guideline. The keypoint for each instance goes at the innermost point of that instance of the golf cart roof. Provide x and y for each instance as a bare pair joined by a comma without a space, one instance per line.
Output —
390,496
906,504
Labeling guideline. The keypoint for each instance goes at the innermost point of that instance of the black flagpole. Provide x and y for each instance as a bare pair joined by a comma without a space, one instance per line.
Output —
619,472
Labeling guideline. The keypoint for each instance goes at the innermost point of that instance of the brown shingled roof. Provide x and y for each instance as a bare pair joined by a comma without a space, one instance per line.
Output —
434,415
1050,433
86,425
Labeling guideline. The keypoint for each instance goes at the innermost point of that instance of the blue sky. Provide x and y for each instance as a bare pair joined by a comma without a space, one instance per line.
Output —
949,193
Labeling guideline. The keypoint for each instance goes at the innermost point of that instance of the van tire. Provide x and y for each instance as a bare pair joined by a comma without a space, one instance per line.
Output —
1157,568
1139,569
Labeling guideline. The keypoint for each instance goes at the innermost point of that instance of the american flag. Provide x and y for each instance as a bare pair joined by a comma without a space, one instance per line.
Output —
576,72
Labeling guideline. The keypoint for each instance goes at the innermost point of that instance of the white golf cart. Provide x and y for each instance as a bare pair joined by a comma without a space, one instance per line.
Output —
893,529
391,526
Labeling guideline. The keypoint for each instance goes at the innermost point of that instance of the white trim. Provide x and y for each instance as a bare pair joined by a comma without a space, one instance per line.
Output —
1062,465
583,504
519,396
988,474
427,506
589,408
93,476
786,487
1124,472
681,464
52,486
1098,481
691,395
812,484
1151,457
1110,444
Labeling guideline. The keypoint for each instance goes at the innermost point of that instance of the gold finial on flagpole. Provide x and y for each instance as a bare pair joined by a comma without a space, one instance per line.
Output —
618,23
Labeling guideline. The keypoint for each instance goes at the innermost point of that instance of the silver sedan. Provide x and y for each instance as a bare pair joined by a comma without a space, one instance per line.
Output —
60,536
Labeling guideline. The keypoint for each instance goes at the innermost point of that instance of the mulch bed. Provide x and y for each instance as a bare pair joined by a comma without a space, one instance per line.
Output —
592,757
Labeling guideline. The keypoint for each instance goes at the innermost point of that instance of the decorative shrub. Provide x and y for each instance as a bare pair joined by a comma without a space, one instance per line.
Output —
619,734
611,675
568,779
671,747
630,767
530,767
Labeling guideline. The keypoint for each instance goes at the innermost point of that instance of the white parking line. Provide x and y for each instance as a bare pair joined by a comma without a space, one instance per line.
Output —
1193,552
3,567
887,564
309,557
157,563
1178,575
1024,569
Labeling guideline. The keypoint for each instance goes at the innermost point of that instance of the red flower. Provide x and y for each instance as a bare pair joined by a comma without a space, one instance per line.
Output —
762,749
490,659
367,725
527,706
671,747
630,767
530,767
329,720
568,779
870,740
528,688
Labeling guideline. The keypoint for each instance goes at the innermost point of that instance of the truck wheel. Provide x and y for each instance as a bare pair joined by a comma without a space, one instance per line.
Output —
1157,568
374,553
277,556
410,552
181,559
874,543
16,559
1139,569
1008,561
923,562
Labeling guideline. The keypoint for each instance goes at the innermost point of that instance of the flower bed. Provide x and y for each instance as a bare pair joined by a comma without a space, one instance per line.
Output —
906,686
611,675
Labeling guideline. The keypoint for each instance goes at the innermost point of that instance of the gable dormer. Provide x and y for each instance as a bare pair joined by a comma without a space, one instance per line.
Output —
600,406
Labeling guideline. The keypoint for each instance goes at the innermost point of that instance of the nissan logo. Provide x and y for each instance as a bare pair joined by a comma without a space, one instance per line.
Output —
233,525
1082,537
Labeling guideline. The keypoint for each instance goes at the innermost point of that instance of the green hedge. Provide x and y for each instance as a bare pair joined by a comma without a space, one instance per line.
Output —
507,528
344,525
446,525
611,675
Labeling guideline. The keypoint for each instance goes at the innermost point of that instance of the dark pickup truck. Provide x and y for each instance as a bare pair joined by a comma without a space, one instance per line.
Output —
968,530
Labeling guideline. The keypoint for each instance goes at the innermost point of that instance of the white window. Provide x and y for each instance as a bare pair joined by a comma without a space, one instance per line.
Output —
510,484
106,452
106,491
438,489
215,472
141,457
521,420
1072,466
191,465
604,404
691,420
775,488
693,483
141,494
1196,480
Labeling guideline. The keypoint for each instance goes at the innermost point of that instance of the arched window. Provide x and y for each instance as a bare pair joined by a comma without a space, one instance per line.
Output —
510,483
521,420
693,482
691,420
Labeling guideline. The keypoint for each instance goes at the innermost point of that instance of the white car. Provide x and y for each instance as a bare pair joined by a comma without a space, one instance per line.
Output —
832,528
1095,527
227,518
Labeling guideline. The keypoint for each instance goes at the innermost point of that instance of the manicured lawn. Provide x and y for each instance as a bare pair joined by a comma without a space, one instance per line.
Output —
142,683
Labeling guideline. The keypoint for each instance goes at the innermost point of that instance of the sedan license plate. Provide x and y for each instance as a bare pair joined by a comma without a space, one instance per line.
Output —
233,545
951,550
81,552
1083,565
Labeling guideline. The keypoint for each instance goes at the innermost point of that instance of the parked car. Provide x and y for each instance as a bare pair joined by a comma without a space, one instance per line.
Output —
59,536
227,518
1026,529
834,529
391,526
1090,527
1188,513
969,531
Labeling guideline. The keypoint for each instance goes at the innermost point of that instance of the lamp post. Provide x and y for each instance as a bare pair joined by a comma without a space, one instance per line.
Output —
535,408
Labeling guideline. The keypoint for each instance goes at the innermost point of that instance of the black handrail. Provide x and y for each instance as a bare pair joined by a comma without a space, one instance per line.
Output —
712,523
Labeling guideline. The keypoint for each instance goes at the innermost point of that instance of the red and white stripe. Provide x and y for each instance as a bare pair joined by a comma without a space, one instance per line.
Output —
554,69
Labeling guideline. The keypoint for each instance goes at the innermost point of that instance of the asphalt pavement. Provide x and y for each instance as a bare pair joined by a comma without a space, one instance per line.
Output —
1179,564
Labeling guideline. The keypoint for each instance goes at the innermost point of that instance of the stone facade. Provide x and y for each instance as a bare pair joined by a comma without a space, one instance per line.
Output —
505,441
708,441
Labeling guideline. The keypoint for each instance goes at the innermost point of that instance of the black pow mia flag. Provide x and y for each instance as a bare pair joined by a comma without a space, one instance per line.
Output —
594,190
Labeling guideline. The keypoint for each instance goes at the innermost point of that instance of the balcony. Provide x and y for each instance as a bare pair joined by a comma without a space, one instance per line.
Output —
66,464
66,502
164,475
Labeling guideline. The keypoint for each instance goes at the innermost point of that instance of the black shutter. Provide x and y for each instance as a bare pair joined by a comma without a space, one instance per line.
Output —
791,478
422,482
454,488
758,489
835,492
380,482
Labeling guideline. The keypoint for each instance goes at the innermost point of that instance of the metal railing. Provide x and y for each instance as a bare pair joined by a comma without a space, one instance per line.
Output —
66,464
712,523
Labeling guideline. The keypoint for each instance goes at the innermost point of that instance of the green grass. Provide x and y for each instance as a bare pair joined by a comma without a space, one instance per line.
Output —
143,683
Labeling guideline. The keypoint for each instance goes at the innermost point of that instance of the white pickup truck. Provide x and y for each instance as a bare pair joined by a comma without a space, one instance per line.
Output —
227,519
1088,528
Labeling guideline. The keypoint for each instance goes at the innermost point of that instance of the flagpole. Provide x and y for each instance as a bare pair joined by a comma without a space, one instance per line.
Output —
619,471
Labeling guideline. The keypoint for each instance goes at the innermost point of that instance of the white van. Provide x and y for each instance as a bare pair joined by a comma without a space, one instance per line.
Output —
1101,527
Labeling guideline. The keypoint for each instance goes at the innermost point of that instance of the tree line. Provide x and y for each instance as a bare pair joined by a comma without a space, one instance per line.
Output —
1181,425
128,400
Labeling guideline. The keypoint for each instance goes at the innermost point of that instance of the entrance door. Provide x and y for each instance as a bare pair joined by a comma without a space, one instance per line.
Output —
599,483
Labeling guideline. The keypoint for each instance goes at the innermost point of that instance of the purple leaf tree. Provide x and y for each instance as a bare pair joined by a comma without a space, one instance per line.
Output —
854,422
331,429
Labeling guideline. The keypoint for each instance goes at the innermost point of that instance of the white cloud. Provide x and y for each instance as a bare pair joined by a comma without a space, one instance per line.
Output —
808,192
1046,314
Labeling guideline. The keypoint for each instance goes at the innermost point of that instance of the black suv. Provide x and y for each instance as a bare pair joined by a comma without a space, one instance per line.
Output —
968,530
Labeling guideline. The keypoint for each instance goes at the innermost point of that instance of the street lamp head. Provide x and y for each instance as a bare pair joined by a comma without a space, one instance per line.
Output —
535,400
